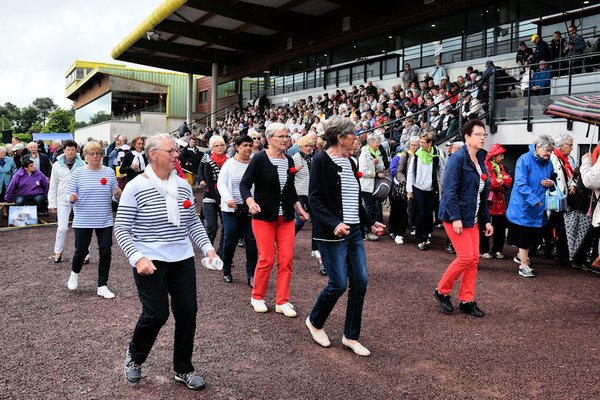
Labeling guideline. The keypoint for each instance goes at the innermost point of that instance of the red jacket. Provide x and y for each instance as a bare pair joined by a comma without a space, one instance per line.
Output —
496,200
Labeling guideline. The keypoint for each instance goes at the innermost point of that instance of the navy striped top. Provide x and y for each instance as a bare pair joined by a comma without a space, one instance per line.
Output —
282,169
142,227
93,208
350,191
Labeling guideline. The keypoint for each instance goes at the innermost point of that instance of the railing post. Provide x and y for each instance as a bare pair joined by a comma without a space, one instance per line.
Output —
529,124
570,74
460,116
492,103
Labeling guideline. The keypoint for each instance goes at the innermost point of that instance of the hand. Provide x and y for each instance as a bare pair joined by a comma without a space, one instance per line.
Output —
489,230
409,195
572,190
375,161
299,167
73,198
586,155
135,167
202,184
145,266
231,204
341,230
211,256
253,207
377,227
303,214
499,180
547,183
457,226
117,192
381,175
539,203
53,210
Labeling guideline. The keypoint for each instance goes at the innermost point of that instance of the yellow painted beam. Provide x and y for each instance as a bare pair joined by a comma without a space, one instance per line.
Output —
162,12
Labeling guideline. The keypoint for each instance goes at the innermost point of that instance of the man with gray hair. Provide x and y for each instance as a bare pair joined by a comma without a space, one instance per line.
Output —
57,150
40,160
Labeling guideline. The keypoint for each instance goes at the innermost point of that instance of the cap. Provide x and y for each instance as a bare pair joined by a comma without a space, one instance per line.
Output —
533,37
444,77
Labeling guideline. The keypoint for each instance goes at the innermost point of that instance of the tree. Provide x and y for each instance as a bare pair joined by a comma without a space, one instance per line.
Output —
25,119
59,121
10,111
5,123
44,105
35,128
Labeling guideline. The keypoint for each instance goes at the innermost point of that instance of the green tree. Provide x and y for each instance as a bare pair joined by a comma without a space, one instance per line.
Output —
26,118
5,123
59,121
37,127
44,105
10,111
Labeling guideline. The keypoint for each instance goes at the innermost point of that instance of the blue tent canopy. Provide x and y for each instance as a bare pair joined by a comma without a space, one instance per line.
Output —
47,137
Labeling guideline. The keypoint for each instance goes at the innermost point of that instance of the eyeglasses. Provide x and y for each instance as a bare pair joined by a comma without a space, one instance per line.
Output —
483,135
94,154
170,151
282,137
255,138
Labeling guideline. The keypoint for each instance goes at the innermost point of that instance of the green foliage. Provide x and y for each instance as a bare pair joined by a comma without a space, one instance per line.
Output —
5,122
35,128
25,137
44,105
59,121
100,116
27,117
10,111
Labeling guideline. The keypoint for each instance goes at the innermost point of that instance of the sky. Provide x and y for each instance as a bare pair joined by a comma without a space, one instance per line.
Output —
42,38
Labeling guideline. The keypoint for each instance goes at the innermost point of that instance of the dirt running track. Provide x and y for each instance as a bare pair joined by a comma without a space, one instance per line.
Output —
539,339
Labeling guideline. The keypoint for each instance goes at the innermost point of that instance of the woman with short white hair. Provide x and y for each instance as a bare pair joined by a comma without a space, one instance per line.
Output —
371,166
212,167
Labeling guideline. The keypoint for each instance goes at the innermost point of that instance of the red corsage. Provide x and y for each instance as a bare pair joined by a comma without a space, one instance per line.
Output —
187,204
359,174
483,177
293,170
103,181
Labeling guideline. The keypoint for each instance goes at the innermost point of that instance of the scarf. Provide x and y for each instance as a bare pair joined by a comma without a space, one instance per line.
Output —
425,157
169,190
497,168
374,153
219,160
565,160
308,158
140,160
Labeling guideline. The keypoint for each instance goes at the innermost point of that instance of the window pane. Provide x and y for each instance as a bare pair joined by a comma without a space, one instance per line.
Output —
373,70
344,75
358,73
390,66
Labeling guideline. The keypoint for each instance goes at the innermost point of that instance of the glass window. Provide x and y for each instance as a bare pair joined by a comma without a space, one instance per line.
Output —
373,70
474,46
412,55
299,81
79,73
429,54
358,73
97,111
344,75
390,66
452,49
203,96
330,78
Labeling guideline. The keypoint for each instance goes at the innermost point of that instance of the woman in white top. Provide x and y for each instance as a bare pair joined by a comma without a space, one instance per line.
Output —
91,190
371,167
237,223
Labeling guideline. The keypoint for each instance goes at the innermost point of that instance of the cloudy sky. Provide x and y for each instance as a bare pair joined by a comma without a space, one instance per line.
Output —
42,38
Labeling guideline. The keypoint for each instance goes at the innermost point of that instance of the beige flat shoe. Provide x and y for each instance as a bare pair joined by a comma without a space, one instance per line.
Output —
318,335
356,347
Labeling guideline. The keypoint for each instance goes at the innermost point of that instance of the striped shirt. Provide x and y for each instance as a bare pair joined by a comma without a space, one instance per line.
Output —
350,191
481,187
282,169
142,228
93,208
236,177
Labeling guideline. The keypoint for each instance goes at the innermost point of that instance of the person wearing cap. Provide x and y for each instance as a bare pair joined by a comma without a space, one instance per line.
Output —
438,71
542,50
501,181
18,152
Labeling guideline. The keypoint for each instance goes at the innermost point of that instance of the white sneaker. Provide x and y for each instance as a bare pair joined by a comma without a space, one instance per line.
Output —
286,309
73,281
399,240
413,232
259,305
318,335
315,253
104,292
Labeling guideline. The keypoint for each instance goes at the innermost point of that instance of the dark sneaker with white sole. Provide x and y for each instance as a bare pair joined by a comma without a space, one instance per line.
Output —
193,380
133,370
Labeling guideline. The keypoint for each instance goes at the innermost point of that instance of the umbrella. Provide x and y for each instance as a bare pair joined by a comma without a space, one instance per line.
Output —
577,108
577,225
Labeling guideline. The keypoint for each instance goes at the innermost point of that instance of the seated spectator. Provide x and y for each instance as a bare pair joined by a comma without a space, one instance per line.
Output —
40,160
540,82
28,185
525,54
471,108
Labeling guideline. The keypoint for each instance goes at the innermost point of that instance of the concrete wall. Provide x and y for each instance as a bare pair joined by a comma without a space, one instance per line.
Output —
105,131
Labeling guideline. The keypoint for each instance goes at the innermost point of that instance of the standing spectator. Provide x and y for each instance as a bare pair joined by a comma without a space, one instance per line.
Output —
371,166
409,75
162,267
7,170
190,160
27,185
500,182
334,197
237,223
423,183
370,89
58,203
57,150
18,151
272,207
557,51
574,47
111,147
212,199
91,190
541,51
40,160
462,208
135,161
438,72
524,55
534,173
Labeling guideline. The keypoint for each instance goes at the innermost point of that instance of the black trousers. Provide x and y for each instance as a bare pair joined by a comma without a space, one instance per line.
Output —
83,238
556,229
398,221
500,223
424,201
177,279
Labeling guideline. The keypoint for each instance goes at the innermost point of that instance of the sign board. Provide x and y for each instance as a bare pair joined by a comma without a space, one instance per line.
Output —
22,215
438,49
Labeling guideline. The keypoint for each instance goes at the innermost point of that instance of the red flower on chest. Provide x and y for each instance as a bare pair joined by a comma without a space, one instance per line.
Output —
187,204
103,181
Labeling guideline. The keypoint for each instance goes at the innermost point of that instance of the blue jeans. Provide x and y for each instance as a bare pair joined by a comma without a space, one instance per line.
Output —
236,227
211,224
39,199
424,202
343,261
370,208
299,223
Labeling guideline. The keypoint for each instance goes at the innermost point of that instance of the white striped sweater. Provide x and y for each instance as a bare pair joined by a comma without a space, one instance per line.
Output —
93,208
142,228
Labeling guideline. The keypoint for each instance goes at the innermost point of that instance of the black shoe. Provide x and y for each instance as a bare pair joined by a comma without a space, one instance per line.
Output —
58,259
322,267
444,301
228,278
241,243
86,260
133,370
575,264
422,246
470,307
191,379
450,249
251,282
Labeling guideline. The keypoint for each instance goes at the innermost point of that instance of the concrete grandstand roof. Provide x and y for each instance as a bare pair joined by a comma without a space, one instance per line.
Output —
248,36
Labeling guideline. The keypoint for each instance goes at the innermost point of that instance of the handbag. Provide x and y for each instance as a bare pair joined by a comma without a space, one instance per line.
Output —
382,188
556,201
398,192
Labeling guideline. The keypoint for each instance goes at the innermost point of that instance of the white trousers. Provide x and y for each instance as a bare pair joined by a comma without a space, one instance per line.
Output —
63,211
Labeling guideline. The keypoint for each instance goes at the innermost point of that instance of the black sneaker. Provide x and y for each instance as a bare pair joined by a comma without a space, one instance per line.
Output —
450,249
470,307
192,380
444,301
133,370
228,278
322,267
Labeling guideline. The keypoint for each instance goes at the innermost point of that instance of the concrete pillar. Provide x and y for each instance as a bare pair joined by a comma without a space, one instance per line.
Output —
213,94
190,98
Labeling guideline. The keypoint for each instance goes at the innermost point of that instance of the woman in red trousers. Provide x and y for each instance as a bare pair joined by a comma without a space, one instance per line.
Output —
462,207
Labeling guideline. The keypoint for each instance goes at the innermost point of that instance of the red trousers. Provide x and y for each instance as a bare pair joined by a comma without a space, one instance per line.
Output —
466,246
268,234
